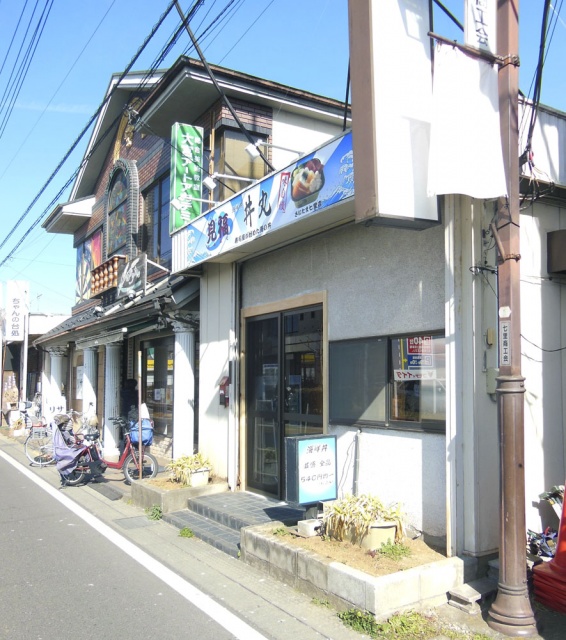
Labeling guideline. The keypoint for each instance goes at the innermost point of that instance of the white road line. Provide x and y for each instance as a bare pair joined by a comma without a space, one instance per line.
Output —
225,618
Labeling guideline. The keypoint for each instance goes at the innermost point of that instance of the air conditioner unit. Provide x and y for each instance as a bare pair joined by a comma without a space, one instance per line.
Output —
556,251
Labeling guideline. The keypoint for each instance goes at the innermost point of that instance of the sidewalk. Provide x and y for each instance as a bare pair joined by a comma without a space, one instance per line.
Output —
272,607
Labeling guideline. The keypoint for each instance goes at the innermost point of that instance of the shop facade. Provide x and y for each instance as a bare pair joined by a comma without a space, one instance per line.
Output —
136,323
276,310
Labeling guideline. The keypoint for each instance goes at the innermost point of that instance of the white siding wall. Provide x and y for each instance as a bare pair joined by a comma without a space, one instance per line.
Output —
215,318
379,281
472,449
298,133
543,326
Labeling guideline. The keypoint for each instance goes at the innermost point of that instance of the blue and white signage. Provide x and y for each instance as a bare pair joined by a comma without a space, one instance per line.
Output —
314,183
311,469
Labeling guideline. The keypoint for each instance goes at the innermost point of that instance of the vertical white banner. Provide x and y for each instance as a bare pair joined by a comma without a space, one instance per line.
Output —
480,24
16,309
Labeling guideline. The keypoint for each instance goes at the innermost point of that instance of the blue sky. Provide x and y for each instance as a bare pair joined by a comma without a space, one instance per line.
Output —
302,44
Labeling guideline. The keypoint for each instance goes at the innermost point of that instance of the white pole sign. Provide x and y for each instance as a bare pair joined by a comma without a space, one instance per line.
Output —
16,310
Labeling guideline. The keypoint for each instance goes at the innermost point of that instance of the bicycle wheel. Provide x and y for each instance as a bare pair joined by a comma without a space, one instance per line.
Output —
74,478
150,466
39,450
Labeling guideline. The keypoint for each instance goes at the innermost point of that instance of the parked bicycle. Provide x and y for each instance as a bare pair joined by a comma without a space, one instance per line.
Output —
79,457
38,445
83,421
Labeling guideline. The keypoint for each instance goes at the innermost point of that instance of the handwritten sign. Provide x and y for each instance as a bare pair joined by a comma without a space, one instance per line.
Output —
311,469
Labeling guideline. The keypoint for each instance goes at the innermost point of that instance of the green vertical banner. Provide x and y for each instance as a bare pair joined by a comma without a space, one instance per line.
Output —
186,175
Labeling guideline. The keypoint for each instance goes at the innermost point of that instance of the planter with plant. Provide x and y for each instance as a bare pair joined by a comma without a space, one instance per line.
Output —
363,520
190,471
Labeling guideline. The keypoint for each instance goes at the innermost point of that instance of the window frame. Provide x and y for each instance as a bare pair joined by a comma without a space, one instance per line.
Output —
162,223
226,141
114,213
426,425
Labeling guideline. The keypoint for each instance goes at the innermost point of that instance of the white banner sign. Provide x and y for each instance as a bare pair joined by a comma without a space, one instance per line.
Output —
480,24
16,309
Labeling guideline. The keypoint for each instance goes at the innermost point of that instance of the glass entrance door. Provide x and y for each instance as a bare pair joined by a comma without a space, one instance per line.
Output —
283,390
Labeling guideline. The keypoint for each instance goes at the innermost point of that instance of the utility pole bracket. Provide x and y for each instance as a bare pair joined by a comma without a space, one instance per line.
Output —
502,257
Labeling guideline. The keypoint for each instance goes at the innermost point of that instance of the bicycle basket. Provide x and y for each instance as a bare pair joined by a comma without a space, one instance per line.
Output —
147,432
38,432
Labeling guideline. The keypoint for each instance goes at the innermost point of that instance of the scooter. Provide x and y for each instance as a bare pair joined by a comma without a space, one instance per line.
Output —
79,458
76,455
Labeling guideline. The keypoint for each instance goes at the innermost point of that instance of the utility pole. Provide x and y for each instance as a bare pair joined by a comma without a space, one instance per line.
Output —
511,613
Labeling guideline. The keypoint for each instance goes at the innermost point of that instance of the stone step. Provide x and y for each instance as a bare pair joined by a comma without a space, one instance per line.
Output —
218,518
237,511
468,596
209,531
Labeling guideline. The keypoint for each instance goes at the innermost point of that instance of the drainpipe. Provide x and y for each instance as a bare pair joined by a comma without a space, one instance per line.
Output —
357,460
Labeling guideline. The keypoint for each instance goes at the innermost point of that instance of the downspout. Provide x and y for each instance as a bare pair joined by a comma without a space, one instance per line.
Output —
357,438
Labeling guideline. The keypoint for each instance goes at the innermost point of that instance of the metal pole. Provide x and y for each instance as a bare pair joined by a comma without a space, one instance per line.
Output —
140,446
24,360
511,612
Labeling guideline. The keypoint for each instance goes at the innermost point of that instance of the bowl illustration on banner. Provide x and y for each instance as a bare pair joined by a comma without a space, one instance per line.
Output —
306,182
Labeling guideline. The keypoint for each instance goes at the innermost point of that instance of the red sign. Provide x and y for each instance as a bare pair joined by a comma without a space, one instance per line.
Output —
419,344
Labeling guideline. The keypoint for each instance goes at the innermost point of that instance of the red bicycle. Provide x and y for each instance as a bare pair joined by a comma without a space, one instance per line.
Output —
91,463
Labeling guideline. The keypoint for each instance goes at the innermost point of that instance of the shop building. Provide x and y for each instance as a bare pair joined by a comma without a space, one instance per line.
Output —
137,317
278,309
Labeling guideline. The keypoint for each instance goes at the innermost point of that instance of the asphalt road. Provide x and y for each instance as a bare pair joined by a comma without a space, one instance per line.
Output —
62,577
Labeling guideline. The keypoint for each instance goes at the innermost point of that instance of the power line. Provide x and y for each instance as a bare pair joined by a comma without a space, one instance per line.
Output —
82,133
87,157
217,86
13,37
24,67
196,5
9,83
58,89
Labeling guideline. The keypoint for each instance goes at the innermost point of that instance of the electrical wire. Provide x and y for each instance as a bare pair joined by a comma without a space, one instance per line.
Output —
82,133
13,37
106,132
214,25
245,32
56,90
526,157
27,62
218,87
540,348
9,84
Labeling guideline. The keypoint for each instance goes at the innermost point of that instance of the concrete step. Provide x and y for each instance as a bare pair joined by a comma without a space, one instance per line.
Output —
213,533
468,596
218,518
237,511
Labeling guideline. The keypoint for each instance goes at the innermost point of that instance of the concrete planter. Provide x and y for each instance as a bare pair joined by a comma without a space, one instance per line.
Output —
424,586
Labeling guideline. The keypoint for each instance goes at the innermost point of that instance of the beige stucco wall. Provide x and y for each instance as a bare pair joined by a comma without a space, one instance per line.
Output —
378,281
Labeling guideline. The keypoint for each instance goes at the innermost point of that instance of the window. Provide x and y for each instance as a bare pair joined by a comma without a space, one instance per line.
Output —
231,158
89,256
118,214
157,381
156,214
398,382
358,380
